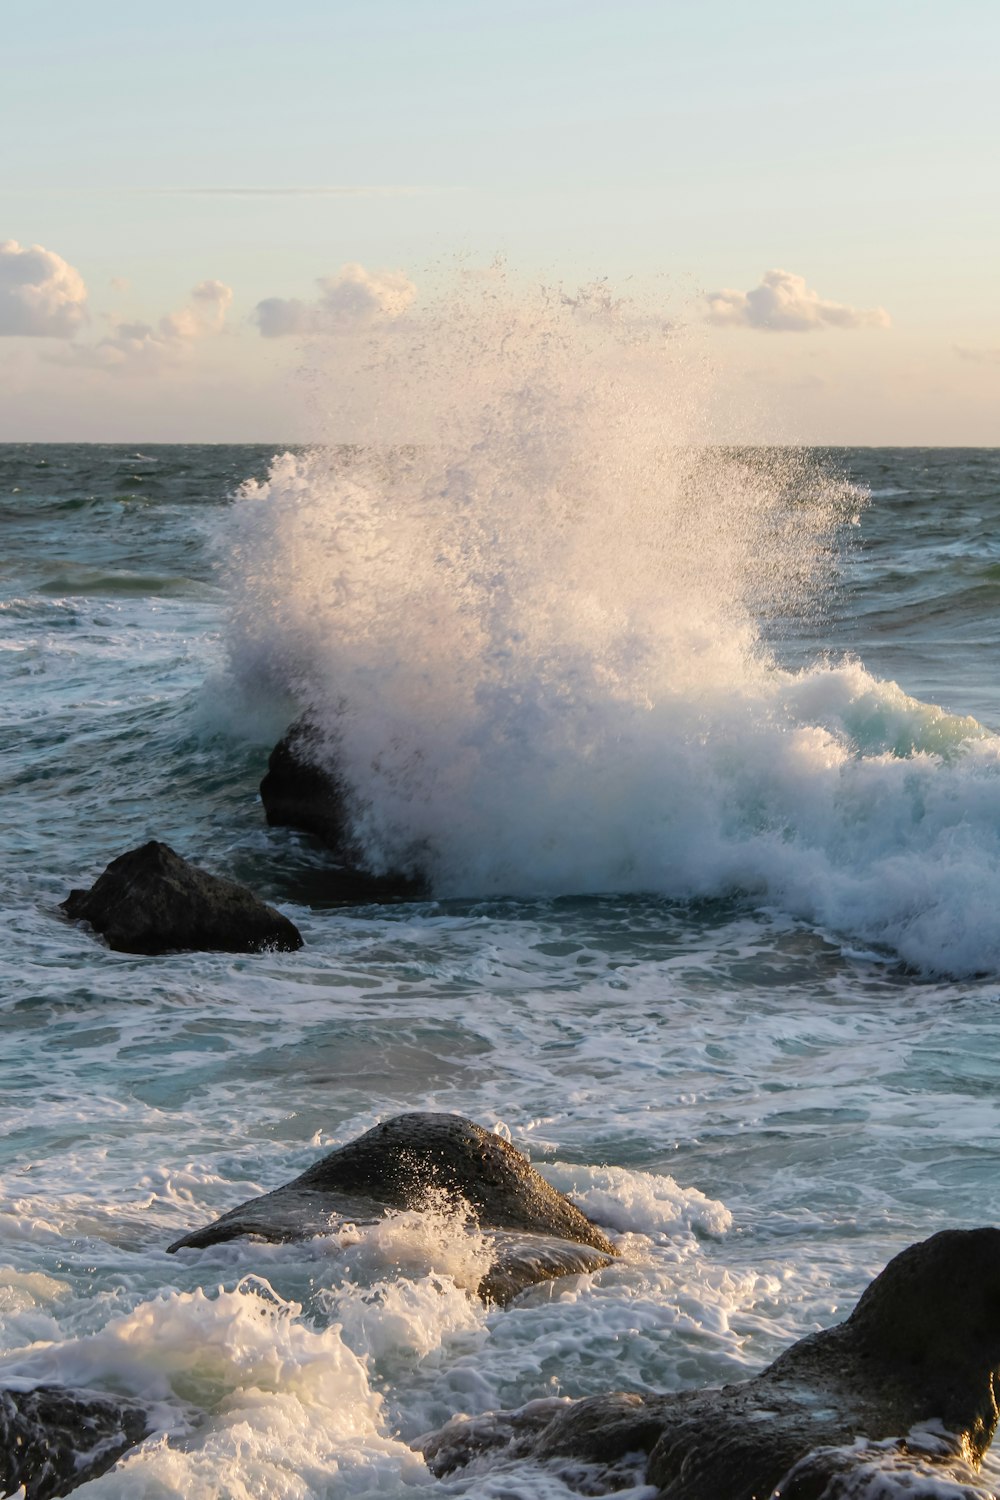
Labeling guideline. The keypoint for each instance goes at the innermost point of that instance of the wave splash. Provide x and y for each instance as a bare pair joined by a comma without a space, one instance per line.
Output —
528,605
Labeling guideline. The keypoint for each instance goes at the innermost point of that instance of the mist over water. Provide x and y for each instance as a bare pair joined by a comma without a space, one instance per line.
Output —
538,617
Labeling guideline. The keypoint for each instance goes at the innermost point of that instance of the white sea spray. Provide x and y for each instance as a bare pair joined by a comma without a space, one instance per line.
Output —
237,1385
534,640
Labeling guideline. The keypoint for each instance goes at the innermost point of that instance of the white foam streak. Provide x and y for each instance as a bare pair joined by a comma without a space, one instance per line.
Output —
405,1321
441,1240
644,1203
881,1471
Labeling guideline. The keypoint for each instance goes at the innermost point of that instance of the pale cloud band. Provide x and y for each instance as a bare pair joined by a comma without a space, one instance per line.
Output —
41,295
364,190
142,348
783,303
354,298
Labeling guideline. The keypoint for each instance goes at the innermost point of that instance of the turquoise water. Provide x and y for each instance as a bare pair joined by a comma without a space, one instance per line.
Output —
715,935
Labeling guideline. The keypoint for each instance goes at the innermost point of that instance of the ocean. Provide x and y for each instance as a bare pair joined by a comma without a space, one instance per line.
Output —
700,751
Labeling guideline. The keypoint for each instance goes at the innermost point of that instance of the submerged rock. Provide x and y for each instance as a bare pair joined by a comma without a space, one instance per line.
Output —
153,901
300,791
914,1367
411,1162
53,1439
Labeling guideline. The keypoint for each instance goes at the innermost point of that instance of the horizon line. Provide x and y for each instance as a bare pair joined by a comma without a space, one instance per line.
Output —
313,443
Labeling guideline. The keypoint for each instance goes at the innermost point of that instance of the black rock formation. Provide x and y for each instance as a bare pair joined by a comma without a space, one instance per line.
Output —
299,791
153,901
916,1366
53,1439
412,1162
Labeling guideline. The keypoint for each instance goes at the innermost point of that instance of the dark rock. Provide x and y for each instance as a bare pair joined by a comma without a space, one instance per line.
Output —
301,792
524,1260
53,1439
152,901
626,1427
411,1162
915,1366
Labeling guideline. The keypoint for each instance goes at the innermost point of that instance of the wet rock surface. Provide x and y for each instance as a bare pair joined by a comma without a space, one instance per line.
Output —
53,1439
882,1472
915,1366
299,791
150,901
416,1161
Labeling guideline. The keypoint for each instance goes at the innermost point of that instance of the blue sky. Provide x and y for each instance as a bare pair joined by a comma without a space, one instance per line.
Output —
854,147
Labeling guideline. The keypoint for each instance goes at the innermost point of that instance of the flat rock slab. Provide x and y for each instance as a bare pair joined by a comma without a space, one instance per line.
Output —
914,1367
411,1162
153,901
53,1439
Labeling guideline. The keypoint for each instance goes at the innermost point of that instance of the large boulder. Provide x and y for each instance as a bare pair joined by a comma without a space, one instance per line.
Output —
301,791
914,1368
416,1161
53,1439
153,901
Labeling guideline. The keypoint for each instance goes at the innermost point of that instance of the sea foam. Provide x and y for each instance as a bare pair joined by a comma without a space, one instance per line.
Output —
243,1394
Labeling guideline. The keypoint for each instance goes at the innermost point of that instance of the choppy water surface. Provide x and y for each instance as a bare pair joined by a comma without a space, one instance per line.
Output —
716,937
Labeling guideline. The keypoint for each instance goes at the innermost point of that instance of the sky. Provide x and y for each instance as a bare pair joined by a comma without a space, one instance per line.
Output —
195,197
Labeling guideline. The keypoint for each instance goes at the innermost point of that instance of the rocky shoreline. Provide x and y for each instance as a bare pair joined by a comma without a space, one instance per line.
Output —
898,1399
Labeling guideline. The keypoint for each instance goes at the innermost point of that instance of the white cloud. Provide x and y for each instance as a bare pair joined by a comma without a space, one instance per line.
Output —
205,314
782,303
143,348
41,295
354,298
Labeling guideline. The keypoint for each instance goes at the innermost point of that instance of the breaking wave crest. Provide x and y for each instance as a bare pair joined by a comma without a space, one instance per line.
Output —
529,607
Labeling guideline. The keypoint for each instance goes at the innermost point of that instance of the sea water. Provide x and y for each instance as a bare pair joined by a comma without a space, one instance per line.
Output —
698,748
